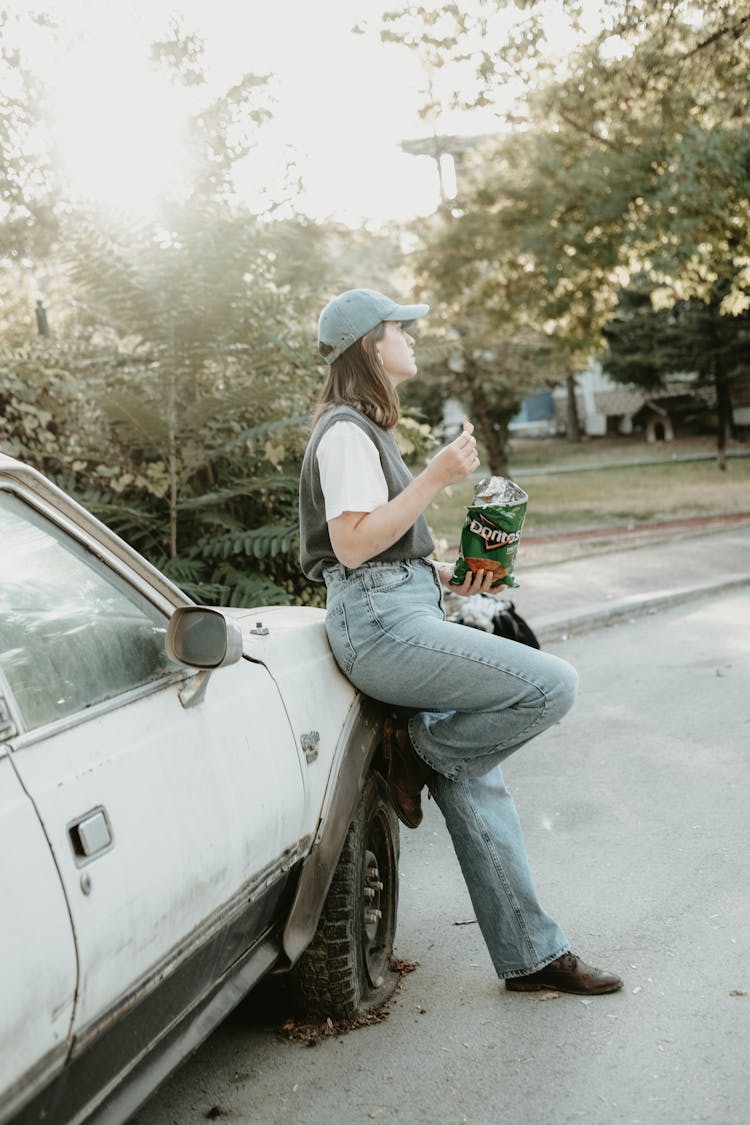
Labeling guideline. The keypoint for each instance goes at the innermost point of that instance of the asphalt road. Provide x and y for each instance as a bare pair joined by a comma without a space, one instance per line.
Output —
635,811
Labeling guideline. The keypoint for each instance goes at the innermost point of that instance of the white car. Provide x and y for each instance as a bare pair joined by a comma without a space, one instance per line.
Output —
190,798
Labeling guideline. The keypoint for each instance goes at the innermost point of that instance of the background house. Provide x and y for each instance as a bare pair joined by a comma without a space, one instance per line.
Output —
606,407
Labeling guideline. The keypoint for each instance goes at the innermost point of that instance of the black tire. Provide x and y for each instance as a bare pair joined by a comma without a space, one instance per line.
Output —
346,969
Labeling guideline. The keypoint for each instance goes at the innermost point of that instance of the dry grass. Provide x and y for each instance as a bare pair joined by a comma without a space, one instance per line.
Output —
600,497
543,452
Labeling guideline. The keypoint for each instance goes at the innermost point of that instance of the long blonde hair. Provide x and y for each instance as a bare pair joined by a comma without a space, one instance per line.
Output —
357,379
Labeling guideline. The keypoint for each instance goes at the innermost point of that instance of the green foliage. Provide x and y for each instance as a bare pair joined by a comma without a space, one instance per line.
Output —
258,543
483,346
173,395
664,87
179,410
647,345
46,416
633,159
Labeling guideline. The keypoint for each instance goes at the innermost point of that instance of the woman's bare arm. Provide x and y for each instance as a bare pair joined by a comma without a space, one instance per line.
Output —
357,537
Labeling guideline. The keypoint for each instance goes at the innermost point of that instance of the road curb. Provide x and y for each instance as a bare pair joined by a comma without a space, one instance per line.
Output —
559,626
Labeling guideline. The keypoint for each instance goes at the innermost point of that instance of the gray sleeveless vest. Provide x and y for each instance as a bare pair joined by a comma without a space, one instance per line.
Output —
316,552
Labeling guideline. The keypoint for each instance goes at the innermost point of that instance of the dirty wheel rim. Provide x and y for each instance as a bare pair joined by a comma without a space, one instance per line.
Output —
377,900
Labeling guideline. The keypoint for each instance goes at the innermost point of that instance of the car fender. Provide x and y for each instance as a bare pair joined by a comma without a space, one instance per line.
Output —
360,742
292,643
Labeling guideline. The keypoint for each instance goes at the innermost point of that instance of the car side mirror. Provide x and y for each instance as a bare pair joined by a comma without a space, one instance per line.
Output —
201,637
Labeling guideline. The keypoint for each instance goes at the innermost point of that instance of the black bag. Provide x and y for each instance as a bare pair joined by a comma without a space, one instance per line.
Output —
508,623
481,611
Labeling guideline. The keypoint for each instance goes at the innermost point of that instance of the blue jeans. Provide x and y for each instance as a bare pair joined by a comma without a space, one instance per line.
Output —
476,698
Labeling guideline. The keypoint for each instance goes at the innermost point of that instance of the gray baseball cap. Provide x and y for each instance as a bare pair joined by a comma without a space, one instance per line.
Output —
349,316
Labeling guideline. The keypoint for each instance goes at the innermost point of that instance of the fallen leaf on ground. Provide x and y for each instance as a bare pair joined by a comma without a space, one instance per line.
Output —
402,967
311,1034
550,996
314,1033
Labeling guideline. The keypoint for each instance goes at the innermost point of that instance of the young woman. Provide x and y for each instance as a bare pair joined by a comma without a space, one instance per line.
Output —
462,699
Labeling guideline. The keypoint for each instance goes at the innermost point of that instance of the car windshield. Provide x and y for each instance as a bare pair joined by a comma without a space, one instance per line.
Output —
72,632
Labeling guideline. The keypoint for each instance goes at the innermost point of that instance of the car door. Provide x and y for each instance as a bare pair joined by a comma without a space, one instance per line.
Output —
37,953
172,826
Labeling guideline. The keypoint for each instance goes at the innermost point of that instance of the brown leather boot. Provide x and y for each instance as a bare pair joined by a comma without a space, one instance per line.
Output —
407,772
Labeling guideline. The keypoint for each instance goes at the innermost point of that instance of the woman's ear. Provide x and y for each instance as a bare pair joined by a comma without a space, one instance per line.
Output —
363,346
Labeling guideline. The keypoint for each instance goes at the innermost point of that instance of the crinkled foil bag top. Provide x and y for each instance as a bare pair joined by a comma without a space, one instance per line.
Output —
492,531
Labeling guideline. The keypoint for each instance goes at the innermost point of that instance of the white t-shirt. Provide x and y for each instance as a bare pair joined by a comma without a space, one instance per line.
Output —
351,475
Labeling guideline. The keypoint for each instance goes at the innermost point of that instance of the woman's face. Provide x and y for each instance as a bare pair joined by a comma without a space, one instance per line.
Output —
396,352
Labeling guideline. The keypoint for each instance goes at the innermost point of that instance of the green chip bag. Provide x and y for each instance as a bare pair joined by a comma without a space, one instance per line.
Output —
491,531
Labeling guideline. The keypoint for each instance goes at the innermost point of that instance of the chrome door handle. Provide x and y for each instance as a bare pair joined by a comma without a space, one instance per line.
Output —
90,835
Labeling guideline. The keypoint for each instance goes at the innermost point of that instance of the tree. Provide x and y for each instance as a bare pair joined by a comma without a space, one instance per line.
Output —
29,187
634,158
482,346
534,248
490,372
207,393
603,69
646,345
501,257
183,343
670,81
47,416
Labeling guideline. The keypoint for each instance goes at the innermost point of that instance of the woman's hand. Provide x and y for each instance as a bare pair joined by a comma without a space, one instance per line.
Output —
474,583
455,461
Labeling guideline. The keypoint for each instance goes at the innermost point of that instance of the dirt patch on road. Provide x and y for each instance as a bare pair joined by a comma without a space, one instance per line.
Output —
297,1030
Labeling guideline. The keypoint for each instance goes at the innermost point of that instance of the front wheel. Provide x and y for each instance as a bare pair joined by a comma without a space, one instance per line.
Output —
346,969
